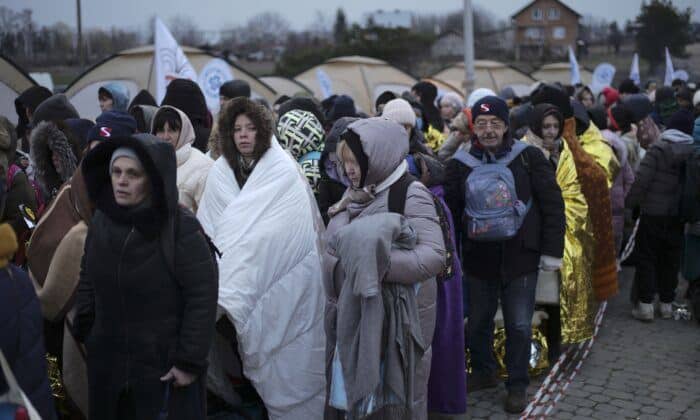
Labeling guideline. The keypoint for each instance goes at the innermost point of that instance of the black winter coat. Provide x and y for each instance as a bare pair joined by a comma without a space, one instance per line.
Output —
657,185
22,340
138,314
542,232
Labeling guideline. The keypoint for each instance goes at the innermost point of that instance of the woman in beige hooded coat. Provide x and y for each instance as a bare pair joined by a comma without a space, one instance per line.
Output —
172,125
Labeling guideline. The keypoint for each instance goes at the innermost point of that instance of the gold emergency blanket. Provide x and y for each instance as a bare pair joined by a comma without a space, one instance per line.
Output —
434,138
576,292
538,362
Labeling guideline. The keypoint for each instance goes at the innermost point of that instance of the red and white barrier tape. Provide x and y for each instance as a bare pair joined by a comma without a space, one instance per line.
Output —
545,399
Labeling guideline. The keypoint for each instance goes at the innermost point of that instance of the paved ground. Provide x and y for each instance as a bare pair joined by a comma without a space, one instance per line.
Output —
634,371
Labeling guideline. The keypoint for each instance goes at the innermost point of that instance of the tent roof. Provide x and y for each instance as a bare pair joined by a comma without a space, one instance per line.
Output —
357,59
135,67
561,72
284,85
362,78
13,81
489,74
14,76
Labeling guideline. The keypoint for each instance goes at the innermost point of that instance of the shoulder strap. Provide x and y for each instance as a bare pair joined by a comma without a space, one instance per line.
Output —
398,192
515,151
467,159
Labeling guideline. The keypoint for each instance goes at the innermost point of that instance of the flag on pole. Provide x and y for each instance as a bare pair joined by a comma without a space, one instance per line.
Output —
170,61
668,78
634,71
324,82
214,74
575,75
603,76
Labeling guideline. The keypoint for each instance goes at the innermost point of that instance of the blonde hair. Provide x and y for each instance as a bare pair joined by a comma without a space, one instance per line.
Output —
341,148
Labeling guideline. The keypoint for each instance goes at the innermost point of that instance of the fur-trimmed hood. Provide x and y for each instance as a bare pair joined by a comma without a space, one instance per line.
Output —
8,145
260,116
49,138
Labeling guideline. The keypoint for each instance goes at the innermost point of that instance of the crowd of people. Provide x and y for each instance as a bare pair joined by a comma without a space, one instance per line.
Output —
307,260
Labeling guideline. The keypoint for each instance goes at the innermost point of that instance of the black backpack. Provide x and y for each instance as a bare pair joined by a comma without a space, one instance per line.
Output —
397,204
690,188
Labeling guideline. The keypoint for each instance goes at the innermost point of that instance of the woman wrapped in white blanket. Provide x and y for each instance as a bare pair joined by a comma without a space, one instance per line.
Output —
260,213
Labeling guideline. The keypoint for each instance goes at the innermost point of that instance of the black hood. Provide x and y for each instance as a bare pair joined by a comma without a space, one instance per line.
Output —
583,120
431,115
639,105
57,107
599,116
158,160
144,97
235,89
186,96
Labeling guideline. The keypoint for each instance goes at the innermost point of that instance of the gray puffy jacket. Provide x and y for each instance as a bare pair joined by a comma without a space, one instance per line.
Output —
386,147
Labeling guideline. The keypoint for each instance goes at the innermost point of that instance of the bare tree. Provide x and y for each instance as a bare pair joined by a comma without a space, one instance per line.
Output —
322,25
185,31
267,27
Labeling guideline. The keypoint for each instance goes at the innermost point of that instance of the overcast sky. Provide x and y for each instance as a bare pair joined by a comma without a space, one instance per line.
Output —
214,15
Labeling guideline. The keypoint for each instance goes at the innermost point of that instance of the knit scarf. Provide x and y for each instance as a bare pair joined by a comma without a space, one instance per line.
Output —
244,170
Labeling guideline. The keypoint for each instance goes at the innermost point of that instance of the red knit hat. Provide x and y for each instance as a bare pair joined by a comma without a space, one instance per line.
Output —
611,96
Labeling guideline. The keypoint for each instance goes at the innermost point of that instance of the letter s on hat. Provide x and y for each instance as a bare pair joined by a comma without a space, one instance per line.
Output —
485,108
105,132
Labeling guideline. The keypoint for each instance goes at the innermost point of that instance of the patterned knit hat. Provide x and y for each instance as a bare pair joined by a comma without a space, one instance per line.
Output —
300,132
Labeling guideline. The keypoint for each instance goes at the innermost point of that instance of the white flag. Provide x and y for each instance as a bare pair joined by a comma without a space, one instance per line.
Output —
602,76
680,74
634,71
170,61
668,78
324,82
214,74
575,75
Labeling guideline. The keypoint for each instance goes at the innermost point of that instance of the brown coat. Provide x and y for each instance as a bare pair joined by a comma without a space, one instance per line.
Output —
54,254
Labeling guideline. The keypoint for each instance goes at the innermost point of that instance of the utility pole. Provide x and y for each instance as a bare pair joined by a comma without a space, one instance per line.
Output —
81,58
468,48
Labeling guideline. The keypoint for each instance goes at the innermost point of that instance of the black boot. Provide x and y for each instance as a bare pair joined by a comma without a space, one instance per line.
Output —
477,381
516,401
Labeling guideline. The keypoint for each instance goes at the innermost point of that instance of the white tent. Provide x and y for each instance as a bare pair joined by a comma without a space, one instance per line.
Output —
561,72
488,74
13,81
362,78
285,86
134,69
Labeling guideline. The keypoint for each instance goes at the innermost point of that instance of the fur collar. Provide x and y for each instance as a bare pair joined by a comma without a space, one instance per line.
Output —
47,139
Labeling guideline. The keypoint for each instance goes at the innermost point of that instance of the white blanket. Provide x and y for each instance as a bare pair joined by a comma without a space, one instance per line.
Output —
270,279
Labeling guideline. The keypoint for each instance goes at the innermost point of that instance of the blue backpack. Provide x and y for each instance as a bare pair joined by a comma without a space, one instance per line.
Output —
492,208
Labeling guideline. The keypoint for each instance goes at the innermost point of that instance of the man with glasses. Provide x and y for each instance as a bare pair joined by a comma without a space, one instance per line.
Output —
503,267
